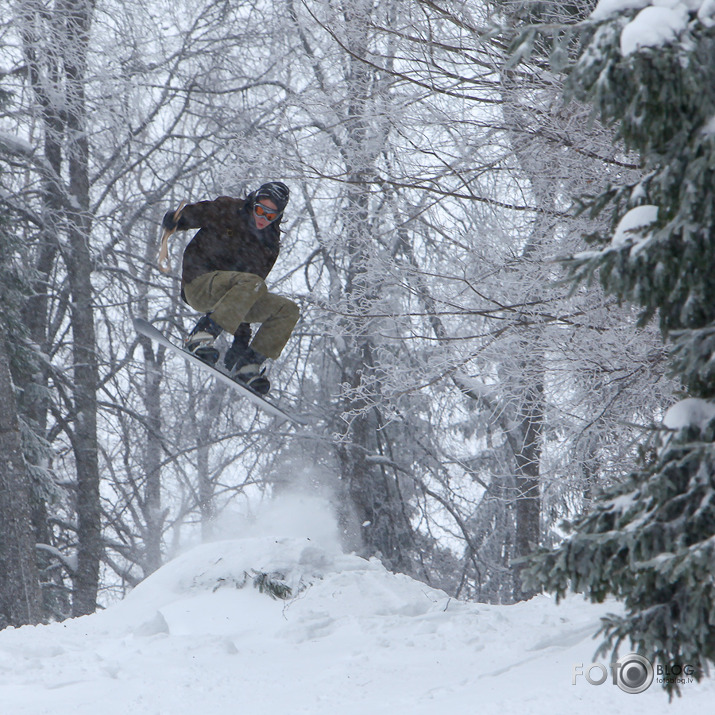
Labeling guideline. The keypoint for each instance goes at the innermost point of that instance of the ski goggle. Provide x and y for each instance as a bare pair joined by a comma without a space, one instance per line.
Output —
265,212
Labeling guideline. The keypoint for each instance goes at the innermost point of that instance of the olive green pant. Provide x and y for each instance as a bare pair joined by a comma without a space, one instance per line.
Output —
233,298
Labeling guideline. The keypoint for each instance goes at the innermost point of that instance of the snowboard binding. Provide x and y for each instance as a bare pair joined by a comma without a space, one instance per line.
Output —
201,339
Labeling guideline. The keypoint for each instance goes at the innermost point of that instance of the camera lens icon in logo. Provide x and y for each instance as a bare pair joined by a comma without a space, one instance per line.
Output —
635,673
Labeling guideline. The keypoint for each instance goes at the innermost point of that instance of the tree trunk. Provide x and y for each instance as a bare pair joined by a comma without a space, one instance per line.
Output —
151,505
373,489
20,597
533,156
78,18
528,483
205,426
57,72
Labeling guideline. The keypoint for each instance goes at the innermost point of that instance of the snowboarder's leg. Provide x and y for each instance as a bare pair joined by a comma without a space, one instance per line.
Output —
278,316
227,295
201,340
234,299
244,363
248,370
241,339
235,295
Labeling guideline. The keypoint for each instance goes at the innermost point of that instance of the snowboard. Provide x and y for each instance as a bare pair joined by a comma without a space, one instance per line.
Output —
147,329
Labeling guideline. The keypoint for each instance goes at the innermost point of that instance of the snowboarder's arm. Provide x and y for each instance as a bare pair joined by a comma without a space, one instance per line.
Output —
198,215
169,223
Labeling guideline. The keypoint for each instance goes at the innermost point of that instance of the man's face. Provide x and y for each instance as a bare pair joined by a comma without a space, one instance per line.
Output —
265,212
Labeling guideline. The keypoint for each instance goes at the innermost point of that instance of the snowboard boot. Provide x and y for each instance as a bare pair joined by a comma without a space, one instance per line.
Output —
201,340
241,339
248,371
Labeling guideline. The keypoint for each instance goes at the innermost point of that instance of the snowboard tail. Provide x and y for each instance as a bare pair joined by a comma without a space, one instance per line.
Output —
147,329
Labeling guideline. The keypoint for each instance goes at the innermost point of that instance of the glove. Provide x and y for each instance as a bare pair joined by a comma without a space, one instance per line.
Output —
169,222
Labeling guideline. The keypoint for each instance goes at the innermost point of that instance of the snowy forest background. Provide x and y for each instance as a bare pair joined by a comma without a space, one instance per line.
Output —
467,396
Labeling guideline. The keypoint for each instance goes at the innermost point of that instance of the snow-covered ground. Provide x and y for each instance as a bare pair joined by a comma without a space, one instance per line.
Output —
198,637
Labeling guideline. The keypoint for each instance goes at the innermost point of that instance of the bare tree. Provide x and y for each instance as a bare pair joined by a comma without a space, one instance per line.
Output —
55,49
448,272
463,400
107,141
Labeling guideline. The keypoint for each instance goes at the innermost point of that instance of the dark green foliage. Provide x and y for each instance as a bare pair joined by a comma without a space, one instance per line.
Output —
661,100
272,584
651,541
17,276
692,358
648,542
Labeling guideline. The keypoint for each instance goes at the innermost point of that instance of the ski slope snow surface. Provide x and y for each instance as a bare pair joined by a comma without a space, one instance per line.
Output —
198,637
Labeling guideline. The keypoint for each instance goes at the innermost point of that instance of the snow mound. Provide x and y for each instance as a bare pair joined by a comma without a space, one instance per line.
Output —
205,635
225,587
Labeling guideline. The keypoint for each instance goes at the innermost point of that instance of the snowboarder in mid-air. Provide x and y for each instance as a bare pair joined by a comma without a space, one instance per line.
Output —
223,275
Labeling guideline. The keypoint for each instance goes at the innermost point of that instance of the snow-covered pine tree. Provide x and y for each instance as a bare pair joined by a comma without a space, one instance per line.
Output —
649,70
20,594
